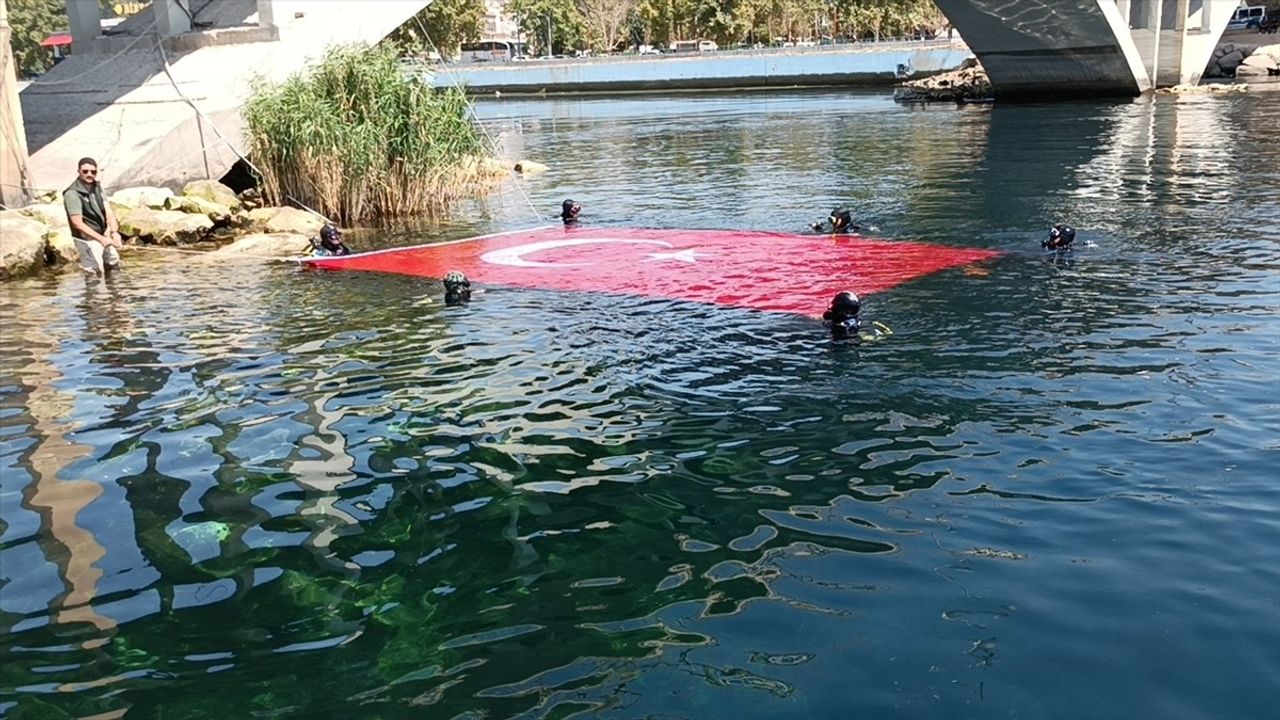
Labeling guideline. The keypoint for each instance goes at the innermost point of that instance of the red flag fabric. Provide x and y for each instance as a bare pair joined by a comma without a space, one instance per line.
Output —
762,270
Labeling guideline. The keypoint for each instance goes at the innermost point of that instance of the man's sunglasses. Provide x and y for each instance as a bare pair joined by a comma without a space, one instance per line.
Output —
88,171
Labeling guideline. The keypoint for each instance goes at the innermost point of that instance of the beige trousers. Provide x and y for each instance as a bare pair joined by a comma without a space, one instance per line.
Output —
94,257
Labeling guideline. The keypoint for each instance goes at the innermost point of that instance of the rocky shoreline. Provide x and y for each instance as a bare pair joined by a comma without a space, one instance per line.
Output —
1236,60
969,83
37,238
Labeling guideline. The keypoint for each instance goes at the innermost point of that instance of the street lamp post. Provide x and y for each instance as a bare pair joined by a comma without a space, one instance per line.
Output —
548,34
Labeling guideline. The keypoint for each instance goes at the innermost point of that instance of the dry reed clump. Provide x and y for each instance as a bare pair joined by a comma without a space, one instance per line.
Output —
357,137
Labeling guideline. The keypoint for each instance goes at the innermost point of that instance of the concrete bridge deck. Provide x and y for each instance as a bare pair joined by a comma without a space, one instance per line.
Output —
114,101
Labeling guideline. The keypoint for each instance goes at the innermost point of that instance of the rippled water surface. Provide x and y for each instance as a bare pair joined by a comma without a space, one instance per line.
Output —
247,491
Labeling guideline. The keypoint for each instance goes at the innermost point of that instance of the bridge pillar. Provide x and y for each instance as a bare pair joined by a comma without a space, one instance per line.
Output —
171,19
266,13
85,19
1123,7
1098,47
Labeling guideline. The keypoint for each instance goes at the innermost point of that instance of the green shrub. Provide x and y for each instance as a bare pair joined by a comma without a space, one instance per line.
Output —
357,137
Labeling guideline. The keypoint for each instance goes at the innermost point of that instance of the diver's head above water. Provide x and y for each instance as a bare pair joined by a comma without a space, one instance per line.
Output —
1060,238
457,288
569,212
843,316
329,241
841,220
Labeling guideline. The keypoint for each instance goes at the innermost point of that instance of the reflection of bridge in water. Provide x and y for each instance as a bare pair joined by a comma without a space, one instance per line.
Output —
1090,46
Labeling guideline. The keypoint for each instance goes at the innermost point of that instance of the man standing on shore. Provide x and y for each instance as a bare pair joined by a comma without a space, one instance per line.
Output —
93,225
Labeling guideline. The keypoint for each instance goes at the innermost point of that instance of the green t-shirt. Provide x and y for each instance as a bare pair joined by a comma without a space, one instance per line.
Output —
80,199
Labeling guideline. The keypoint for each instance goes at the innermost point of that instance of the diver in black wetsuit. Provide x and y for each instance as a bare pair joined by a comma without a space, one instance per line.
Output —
329,242
457,289
1060,238
569,212
844,317
840,222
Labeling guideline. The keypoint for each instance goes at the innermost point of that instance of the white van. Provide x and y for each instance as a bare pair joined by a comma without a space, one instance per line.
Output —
1248,17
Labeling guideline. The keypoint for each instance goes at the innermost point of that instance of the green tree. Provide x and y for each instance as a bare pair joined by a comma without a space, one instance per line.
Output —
605,21
32,21
561,18
447,25
892,18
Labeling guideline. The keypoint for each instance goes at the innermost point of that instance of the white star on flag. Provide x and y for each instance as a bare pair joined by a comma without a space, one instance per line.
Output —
687,256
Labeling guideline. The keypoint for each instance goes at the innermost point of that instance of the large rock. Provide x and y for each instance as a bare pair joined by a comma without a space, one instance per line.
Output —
213,191
196,205
21,244
1271,51
285,220
1246,70
1260,63
1231,61
273,244
59,248
166,227
529,167
483,167
142,197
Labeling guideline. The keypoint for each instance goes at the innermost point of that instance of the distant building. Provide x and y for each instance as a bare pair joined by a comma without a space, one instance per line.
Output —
498,24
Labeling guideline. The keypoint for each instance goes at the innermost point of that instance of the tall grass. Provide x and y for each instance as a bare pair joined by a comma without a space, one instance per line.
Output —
356,138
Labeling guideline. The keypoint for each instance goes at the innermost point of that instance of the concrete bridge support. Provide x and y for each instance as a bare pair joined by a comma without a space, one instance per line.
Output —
1090,47
15,183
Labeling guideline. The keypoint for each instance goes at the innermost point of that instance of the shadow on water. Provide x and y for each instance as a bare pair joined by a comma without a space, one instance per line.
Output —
292,494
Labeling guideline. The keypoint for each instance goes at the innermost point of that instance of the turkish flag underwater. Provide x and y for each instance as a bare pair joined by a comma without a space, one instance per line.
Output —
776,272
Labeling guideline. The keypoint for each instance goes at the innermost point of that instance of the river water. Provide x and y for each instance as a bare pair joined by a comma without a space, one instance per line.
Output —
242,490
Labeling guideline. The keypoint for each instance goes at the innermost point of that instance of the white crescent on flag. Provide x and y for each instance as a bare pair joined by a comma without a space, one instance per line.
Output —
514,256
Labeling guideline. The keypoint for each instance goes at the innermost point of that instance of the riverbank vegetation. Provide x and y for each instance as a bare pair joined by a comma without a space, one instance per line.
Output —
357,137
610,25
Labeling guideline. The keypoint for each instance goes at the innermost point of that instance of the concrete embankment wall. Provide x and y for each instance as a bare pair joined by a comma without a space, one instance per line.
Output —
856,65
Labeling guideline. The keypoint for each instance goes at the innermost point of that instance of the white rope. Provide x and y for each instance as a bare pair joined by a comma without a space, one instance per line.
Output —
493,146
204,149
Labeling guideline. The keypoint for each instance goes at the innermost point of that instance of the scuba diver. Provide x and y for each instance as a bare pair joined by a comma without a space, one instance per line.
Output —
840,221
329,242
457,289
844,317
569,212
1060,238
